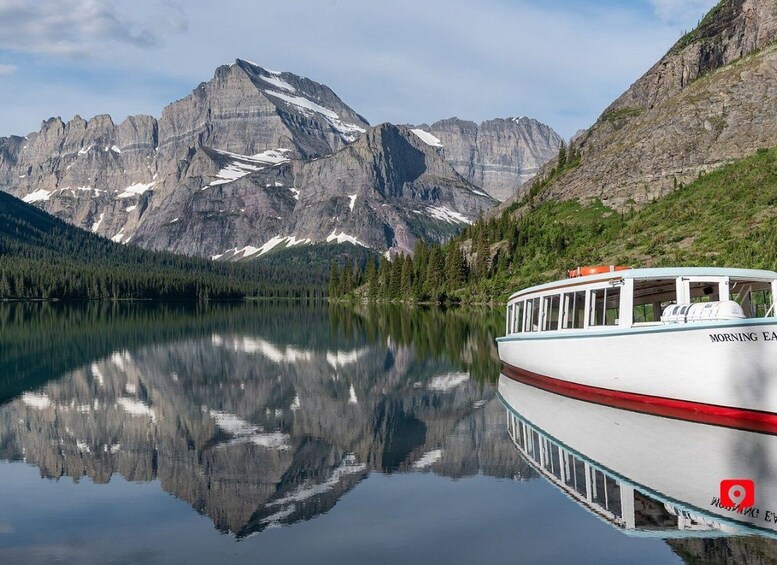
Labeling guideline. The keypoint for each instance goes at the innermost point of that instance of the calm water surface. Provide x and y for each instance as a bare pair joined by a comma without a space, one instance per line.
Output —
167,433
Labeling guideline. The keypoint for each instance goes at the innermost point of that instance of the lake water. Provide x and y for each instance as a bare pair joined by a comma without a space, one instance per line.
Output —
137,433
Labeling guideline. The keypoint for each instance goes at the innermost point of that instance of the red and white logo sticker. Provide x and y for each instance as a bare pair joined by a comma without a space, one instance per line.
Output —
737,493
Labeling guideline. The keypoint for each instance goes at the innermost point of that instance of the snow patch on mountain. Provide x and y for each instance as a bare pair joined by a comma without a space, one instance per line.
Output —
40,401
290,241
344,238
445,214
349,131
249,250
136,189
233,171
95,191
37,196
118,237
242,165
427,137
269,157
278,82
136,407
96,225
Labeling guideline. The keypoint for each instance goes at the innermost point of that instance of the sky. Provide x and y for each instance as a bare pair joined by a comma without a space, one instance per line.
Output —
402,61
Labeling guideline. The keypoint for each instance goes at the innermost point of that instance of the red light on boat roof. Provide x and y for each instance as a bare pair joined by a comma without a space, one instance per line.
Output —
595,270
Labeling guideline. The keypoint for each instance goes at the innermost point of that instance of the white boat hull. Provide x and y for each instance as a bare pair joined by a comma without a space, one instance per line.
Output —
729,364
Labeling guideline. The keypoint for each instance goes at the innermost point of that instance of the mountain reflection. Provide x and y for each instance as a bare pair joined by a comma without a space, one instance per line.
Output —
650,476
256,415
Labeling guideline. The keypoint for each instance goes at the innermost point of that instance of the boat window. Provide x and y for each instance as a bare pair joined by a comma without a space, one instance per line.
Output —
612,306
605,304
551,312
597,307
651,297
644,313
509,324
701,291
574,310
518,324
527,316
755,297
533,317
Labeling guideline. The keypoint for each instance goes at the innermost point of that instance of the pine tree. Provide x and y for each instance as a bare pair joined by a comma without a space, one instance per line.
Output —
371,277
406,279
384,277
435,272
395,282
334,281
347,279
455,268
562,156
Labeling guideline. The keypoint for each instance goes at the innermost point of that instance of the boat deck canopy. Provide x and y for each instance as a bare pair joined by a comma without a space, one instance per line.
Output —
654,273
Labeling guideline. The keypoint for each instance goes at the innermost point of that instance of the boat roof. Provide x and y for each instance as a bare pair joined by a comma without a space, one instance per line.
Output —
654,273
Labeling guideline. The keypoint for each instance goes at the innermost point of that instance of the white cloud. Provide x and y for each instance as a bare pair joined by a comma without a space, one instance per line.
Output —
402,61
82,27
8,69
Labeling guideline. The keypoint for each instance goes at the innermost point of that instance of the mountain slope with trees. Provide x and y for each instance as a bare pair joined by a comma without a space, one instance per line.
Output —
725,218
706,103
679,170
42,257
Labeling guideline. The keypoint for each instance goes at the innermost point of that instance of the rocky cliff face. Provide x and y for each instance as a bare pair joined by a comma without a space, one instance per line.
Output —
251,160
384,191
708,101
497,155
750,550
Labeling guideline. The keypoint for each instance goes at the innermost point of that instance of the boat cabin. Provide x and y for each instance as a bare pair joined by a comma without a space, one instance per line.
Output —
628,298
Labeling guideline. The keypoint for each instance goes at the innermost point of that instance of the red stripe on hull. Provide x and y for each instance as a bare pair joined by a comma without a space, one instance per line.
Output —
740,418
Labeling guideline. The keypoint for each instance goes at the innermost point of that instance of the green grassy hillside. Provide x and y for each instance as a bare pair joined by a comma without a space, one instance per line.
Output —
725,218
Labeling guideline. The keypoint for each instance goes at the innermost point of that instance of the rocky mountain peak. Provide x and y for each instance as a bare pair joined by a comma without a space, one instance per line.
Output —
731,30
497,155
255,159
305,95
384,191
705,103
246,109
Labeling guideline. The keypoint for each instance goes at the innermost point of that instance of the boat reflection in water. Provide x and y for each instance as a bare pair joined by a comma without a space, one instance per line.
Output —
646,475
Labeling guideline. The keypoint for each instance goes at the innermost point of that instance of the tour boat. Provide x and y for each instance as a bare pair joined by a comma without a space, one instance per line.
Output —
691,343
643,474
